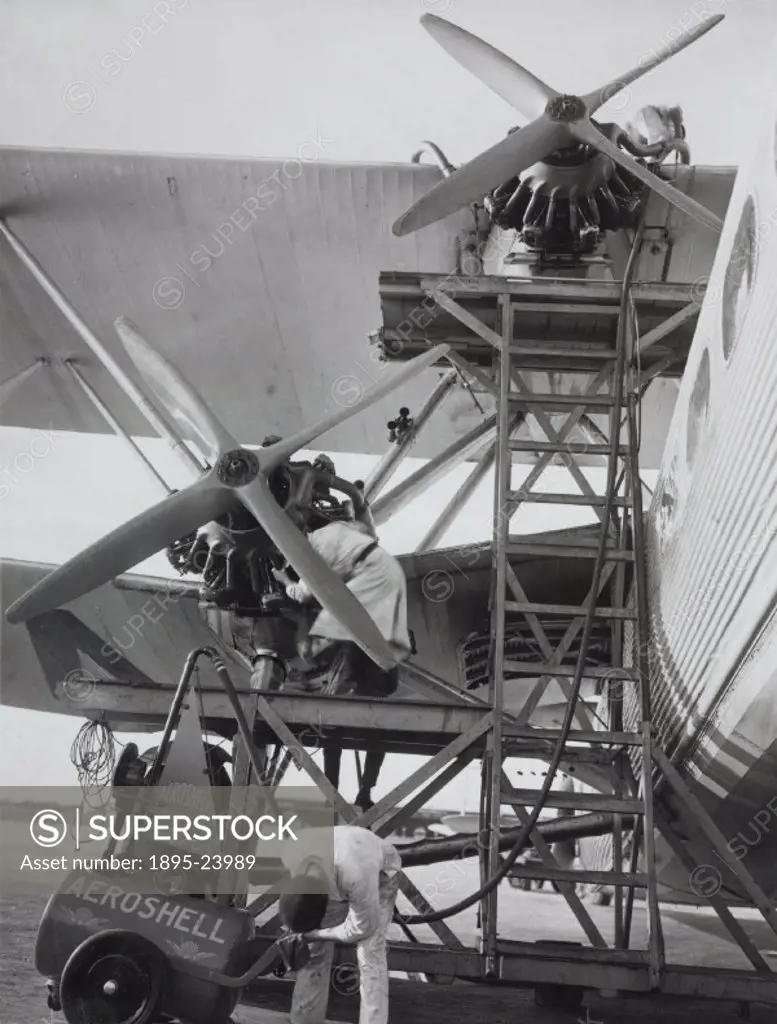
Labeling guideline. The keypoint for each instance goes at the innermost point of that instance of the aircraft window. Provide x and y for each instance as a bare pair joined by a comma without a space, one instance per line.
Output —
667,497
740,275
698,408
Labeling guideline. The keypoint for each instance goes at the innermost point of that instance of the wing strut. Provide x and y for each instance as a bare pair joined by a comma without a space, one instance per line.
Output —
131,388
111,420
10,384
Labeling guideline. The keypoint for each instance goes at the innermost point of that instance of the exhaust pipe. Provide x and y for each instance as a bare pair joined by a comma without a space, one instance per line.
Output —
441,159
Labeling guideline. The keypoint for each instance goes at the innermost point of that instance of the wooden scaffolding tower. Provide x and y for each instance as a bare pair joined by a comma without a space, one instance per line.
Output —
489,322
619,512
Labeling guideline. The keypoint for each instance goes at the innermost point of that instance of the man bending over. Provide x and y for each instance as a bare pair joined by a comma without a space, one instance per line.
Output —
355,906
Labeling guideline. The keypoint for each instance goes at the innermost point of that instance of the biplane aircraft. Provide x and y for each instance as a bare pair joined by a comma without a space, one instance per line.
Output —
237,360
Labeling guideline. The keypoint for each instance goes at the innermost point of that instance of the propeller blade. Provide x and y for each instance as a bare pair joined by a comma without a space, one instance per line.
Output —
178,397
277,453
585,131
328,588
471,182
522,90
599,97
141,537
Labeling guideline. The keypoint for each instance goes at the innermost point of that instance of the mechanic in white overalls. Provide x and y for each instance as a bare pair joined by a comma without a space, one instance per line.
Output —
376,579
372,575
354,907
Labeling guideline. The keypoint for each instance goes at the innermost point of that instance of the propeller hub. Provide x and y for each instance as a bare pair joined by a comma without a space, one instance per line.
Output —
237,468
565,109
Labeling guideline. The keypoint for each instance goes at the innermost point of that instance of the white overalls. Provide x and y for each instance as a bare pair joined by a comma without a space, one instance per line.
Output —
377,581
361,906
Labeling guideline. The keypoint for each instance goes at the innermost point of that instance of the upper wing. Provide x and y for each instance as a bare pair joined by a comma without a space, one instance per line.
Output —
259,277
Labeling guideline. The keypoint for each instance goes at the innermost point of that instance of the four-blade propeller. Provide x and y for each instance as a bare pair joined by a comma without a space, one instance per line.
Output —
558,121
238,476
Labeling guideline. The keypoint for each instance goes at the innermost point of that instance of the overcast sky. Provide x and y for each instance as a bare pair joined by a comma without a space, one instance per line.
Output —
245,77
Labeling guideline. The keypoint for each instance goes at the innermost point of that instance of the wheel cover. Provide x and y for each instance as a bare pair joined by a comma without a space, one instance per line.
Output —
131,995
113,977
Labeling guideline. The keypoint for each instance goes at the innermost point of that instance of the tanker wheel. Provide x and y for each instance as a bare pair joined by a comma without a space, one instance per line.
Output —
114,977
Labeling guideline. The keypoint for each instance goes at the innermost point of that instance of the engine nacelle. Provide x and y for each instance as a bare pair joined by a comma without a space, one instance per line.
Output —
561,205
234,556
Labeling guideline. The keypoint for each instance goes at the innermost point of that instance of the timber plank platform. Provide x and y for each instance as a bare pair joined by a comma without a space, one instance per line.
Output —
416,726
575,317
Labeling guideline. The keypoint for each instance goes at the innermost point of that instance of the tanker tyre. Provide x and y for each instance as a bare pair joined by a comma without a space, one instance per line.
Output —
114,975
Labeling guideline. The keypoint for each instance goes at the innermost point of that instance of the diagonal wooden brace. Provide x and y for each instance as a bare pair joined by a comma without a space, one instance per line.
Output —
716,837
559,436
731,924
463,316
380,811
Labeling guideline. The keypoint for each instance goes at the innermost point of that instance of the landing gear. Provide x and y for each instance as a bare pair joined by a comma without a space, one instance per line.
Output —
114,977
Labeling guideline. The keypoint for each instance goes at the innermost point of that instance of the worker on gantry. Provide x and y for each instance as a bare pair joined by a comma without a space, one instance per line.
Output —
344,891
351,549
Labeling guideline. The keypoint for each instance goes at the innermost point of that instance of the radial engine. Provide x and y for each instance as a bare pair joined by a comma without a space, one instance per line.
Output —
561,205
